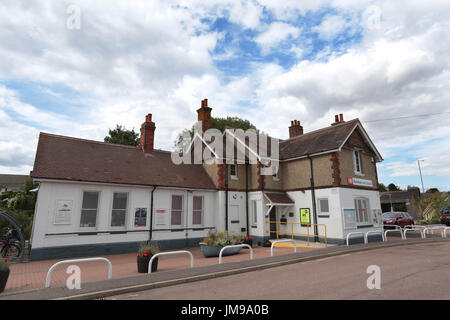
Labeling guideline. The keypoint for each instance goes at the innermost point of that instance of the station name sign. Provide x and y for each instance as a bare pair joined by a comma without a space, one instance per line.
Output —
359,182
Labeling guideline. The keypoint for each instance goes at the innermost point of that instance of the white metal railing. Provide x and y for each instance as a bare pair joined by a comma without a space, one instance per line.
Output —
49,273
397,228
444,232
366,236
350,233
167,254
279,241
440,228
235,246
421,232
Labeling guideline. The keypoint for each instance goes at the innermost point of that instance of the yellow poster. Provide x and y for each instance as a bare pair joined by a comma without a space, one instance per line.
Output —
304,216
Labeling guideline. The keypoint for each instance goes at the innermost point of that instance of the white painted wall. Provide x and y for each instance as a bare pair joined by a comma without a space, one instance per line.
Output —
45,232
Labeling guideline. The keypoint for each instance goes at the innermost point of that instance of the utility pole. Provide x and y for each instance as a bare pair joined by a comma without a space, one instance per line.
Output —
420,171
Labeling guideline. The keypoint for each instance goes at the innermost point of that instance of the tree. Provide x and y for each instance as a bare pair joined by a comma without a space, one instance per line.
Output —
432,190
382,187
216,123
393,187
429,205
121,135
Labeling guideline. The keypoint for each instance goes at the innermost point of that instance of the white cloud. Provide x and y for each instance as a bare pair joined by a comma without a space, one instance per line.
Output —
330,27
275,33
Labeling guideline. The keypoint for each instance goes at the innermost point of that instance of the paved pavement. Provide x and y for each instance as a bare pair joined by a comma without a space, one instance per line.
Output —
31,275
420,271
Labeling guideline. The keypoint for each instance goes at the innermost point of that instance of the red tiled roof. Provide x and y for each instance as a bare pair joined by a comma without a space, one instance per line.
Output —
329,138
278,198
66,158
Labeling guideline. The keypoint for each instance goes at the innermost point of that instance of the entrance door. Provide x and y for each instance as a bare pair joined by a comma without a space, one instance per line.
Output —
273,225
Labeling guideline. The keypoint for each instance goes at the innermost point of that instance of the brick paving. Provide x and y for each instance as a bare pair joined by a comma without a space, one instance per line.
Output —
31,275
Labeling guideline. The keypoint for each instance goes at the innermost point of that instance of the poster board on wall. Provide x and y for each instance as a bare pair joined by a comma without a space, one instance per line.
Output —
161,217
377,217
349,219
63,212
305,216
140,217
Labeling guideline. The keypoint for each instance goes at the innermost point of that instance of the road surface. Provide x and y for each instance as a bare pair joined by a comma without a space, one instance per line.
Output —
407,272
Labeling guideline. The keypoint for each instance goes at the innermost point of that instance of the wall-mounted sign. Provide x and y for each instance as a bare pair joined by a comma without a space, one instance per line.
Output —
349,219
140,217
63,213
305,217
377,217
359,182
161,218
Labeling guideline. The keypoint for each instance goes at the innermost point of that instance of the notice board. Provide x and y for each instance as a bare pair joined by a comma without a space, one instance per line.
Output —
305,216
349,219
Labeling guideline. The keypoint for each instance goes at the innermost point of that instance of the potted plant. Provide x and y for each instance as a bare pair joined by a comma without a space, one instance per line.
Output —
4,273
247,240
214,242
145,253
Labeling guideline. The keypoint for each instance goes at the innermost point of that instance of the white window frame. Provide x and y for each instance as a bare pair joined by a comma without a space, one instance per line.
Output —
368,212
98,209
234,176
323,213
254,213
357,161
181,225
126,211
202,211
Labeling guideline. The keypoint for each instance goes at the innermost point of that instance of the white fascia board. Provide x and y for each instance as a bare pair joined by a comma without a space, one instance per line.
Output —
366,136
119,184
311,155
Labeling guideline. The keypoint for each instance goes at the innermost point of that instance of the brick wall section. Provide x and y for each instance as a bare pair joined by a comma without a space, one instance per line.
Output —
261,178
336,173
221,176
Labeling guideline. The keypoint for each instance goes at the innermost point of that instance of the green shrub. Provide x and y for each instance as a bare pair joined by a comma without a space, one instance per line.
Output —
222,239
148,249
4,264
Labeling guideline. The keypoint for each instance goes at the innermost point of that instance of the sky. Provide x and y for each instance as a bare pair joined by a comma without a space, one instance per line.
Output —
78,68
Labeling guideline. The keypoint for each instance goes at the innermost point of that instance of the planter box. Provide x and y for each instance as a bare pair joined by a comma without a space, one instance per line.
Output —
3,279
213,251
142,264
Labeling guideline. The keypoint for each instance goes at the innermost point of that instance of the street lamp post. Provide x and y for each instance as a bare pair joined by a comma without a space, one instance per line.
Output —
420,171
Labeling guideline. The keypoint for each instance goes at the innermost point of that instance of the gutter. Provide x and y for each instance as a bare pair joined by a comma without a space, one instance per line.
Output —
151,213
313,196
246,197
226,197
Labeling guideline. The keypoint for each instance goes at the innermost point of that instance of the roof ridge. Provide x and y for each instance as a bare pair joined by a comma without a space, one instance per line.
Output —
322,129
95,141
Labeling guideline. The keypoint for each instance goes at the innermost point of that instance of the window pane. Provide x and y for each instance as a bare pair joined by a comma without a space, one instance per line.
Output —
197,217
177,202
198,203
118,218
324,205
176,217
255,212
90,200
88,218
120,201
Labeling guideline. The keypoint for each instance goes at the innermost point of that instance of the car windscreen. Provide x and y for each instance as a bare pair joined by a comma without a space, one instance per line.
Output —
388,215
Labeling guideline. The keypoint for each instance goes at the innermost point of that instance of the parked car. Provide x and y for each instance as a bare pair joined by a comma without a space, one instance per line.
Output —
445,216
397,219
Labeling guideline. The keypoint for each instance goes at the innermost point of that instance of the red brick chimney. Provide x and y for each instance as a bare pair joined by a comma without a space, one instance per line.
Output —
148,134
338,119
204,115
295,129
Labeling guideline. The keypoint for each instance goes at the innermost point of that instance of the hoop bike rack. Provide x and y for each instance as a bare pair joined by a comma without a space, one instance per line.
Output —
280,241
235,246
167,254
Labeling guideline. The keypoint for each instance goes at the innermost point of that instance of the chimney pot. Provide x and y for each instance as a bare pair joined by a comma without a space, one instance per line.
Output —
204,115
147,134
295,129
341,117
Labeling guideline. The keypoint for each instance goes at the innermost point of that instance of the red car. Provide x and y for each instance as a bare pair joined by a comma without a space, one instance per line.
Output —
397,218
